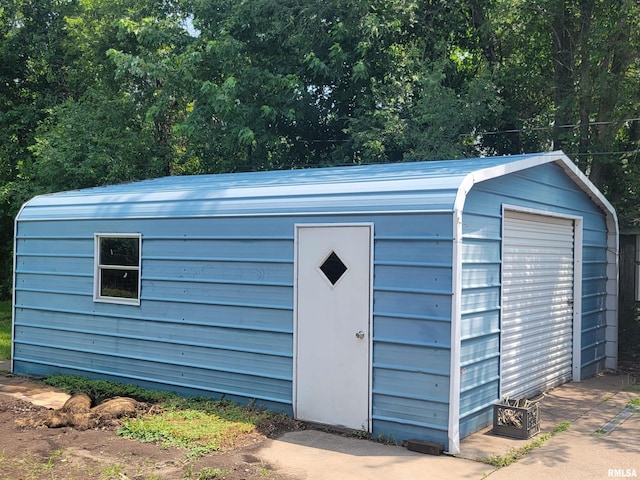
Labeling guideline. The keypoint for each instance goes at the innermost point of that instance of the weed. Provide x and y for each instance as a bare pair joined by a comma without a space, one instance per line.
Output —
55,455
386,440
33,466
361,434
264,470
197,424
209,473
561,427
515,454
198,431
635,403
112,472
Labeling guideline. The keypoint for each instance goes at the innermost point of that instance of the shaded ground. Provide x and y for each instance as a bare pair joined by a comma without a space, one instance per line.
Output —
29,450
630,367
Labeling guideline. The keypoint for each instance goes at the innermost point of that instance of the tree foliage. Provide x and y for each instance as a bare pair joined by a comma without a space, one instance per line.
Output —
95,92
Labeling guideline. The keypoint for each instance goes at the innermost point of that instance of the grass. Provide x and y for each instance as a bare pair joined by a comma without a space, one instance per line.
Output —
5,330
208,473
199,425
515,454
264,470
113,472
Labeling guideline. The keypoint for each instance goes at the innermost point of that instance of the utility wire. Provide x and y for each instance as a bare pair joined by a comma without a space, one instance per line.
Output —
594,154
550,127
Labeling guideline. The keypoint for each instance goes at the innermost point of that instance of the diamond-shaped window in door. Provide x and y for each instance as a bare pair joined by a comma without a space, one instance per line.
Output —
333,268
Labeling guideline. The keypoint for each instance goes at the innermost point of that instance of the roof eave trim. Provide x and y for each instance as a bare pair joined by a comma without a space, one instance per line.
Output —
557,156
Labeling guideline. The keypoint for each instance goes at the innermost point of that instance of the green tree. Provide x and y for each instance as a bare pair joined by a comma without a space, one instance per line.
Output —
31,79
568,71
96,91
299,83
117,125
72,116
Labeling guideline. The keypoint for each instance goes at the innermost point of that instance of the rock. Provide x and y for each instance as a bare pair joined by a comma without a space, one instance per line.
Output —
116,407
77,413
80,402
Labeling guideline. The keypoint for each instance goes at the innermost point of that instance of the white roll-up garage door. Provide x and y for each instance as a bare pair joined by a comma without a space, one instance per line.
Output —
537,303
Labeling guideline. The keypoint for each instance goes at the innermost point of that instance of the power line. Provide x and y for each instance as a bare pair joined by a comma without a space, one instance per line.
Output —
595,154
550,127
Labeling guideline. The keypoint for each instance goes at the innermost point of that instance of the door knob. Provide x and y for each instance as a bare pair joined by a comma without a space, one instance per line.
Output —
360,335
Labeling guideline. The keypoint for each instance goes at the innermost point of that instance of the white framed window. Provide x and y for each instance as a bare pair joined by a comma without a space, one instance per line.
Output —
117,268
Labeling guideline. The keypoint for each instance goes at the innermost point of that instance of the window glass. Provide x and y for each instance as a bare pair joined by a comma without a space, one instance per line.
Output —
119,283
119,251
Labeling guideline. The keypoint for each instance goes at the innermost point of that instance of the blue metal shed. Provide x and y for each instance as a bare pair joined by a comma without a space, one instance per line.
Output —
401,299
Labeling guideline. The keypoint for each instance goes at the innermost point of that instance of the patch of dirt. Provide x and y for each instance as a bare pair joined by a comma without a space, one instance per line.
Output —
630,369
629,366
85,446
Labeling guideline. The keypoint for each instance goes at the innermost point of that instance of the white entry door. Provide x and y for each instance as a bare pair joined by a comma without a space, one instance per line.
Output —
332,325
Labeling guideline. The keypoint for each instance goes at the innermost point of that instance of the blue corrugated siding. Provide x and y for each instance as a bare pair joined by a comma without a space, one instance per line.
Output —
594,321
216,312
480,315
546,188
412,327
216,306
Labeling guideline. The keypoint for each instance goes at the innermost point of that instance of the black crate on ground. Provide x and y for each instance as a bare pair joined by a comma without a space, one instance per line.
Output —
516,422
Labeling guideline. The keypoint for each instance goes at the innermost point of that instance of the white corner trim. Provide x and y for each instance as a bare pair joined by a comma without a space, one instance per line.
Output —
456,319
15,279
578,245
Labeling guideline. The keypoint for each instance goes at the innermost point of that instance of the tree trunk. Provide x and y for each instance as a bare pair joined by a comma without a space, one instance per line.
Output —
563,74
584,88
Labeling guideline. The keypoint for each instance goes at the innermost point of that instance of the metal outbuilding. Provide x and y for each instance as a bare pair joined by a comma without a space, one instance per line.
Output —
401,299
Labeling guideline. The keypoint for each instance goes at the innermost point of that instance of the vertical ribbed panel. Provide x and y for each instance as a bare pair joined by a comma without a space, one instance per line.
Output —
537,309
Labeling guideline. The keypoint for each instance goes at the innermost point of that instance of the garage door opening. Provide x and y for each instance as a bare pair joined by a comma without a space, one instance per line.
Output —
540,259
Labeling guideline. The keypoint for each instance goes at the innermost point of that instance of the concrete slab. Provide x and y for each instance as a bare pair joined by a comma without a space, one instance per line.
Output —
315,455
578,453
586,450
35,392
570,402
573,455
